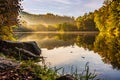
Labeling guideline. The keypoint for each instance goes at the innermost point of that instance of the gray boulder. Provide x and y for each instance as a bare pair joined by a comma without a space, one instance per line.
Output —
25,50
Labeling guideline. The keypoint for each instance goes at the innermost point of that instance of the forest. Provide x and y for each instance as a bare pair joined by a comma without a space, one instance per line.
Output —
8,18
105,19
44,22
51,22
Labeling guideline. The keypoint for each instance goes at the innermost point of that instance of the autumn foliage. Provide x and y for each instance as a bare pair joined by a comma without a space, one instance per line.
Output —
9,11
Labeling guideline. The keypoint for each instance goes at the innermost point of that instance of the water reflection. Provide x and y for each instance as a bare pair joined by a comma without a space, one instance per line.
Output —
101,50
51,41
108,47
86,41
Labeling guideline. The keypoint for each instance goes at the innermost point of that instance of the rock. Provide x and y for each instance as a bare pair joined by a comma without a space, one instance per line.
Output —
12,70
30,46
25,50
66,77
7,65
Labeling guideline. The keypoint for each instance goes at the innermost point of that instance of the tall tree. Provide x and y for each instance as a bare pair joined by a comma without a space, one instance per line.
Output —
9,11
86,22
107,18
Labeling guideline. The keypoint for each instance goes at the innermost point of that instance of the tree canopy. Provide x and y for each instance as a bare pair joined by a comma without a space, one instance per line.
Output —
9,11
107,18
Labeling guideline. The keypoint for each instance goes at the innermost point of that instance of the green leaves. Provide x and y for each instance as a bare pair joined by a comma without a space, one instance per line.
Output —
107,18
86,22
8,17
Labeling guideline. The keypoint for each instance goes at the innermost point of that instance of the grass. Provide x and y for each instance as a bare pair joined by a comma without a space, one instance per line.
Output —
46,73
85,75
30,69
39,72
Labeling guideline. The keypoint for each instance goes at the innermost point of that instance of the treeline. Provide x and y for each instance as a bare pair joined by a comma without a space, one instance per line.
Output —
45,19
107,18
8,17
66,26
51,22
86,22
46,22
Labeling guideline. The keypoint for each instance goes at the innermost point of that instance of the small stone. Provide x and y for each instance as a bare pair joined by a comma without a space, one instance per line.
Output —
66,77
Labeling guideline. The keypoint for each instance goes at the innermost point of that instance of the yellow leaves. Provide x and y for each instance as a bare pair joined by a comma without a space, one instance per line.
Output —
9,12
107,17
6,33
8,17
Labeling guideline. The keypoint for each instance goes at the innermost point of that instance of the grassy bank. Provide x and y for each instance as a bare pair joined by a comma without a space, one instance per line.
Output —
30,70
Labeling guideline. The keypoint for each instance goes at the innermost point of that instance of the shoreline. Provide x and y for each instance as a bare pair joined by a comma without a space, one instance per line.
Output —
57,32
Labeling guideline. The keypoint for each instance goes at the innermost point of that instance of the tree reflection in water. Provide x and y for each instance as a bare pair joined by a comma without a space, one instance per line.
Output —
108,47
105,44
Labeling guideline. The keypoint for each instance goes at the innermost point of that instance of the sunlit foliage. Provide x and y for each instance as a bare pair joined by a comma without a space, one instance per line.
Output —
67,27
6,33
86,22
107,18
9,10
43,22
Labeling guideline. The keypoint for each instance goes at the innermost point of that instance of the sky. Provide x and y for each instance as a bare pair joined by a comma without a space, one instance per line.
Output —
61,7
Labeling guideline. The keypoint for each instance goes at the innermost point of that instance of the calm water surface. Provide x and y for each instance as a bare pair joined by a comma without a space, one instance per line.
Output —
102,51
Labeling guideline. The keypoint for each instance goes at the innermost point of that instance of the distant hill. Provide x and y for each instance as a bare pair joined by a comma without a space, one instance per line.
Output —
45,19
41,22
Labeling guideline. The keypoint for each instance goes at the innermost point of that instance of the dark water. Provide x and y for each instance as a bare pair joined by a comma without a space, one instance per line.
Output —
102,51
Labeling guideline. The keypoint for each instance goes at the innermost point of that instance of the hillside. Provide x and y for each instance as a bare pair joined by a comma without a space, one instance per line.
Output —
44,19
42,22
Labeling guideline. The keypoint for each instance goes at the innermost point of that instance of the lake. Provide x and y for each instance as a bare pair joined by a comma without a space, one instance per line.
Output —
101,51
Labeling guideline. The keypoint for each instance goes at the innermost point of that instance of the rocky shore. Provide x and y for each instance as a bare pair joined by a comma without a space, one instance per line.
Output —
18,62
